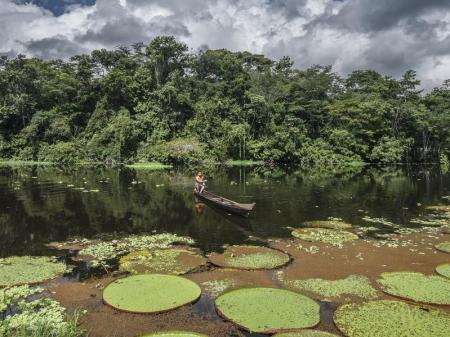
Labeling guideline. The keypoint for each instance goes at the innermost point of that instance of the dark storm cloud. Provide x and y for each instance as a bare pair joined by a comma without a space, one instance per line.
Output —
53,47
375,15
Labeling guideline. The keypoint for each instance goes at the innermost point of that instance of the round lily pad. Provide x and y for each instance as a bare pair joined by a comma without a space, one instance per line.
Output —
444,270
150,293
391,318
331,224
166,261
305,333
335,290
249,257
443,246
325,235
17,270
416,287
268,310
175,334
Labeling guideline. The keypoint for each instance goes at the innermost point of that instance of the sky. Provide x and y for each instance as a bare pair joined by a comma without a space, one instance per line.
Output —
389,36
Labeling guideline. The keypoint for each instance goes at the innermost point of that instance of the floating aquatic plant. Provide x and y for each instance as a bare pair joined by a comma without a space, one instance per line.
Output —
352,286
439,208
391,318
150,293
444,270
305,333
38,317
18,270
416,286
268,310
101,253
175,334
331,223
166,261
216,287
325,235
443,246
381,221
250,257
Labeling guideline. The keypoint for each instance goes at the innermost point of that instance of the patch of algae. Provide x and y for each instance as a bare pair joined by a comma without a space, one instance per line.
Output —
332,290
444,270
166,261
325,235
215,288
391,318
99,254
17,270
331,223
416,287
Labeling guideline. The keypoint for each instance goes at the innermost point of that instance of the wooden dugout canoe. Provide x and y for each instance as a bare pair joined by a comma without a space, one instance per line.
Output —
226,204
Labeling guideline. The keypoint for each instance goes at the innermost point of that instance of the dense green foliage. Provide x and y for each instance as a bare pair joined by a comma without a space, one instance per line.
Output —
163,103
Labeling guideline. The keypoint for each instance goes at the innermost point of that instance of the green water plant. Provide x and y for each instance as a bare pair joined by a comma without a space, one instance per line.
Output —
325,235
38,317
391,318
17,270
416,287
249,257
268,310
175,334
443,246
101,253
150,166
150,293
305,333
215,288
444,270
166,261
331,223
332,290
439,208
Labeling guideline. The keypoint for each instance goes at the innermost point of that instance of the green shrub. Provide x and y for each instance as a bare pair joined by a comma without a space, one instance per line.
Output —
61,153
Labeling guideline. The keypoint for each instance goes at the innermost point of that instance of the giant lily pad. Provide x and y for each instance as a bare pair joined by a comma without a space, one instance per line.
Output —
416,286
444,270
443,246
268,310
150,293
325,235
352,286
166,261
391,318
249,257
18,270
175,334
439,208
331,223
305,333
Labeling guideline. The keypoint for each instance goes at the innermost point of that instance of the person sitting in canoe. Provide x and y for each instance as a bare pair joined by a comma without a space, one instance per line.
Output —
200,182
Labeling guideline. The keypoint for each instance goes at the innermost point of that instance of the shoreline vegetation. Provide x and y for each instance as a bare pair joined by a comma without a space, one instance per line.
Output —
164,103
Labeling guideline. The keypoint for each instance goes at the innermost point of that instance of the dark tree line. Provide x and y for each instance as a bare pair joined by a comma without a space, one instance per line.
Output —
160,102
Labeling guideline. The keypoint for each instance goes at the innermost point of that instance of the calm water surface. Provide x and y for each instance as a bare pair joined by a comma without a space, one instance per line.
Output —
42,204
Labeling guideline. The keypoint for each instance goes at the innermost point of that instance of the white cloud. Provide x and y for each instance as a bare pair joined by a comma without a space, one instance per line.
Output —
309,31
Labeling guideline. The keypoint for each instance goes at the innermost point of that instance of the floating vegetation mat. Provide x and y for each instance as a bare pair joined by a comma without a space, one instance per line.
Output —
102,252
268,310
150,293
416,286
439,208
305,333
175,334
215,288
249,257
325,235
18,270
331,223
443,246
332,290
43,316
444,270
391,318
166,261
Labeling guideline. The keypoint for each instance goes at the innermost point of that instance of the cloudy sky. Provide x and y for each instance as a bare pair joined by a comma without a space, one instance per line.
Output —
390,36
